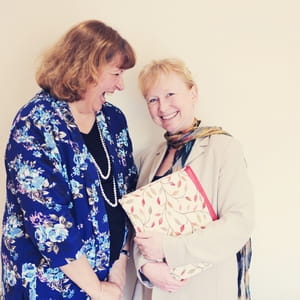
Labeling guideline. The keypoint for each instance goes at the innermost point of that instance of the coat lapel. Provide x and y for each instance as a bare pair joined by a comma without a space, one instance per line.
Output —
157,159
151,164
197,151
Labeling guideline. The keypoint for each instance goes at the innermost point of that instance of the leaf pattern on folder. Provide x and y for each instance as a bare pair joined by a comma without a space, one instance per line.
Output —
174,205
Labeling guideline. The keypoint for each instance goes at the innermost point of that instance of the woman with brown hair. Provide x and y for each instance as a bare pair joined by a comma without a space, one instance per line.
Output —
68,160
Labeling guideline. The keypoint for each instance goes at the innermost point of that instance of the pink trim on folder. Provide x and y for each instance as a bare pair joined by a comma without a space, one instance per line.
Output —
197,183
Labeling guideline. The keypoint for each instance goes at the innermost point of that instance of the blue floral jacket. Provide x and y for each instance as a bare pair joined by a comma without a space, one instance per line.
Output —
55,211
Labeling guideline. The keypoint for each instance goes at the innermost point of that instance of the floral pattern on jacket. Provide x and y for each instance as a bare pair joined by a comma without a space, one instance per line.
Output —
55,211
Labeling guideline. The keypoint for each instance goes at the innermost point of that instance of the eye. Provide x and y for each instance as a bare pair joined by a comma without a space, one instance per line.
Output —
152,100
170,94
118,73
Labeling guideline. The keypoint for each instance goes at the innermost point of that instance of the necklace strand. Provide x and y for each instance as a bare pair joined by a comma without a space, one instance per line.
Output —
104,177
112,204
106,154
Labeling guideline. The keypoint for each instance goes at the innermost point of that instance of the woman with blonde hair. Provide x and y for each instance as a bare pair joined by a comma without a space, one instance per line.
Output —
217,159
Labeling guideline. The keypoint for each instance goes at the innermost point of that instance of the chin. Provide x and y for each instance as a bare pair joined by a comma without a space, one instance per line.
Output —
170,130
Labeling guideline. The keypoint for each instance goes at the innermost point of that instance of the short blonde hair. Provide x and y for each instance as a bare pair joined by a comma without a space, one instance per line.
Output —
76,59
151,73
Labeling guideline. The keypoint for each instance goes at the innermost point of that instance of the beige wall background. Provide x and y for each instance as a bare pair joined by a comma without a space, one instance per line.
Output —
245,57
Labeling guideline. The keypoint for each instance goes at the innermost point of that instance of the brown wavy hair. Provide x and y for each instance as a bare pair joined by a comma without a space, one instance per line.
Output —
76,59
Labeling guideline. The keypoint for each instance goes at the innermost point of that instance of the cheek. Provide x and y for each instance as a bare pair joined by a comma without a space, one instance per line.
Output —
153,112
189,108
107,82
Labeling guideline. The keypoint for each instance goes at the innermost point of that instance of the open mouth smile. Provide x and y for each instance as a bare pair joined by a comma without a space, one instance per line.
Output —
168,117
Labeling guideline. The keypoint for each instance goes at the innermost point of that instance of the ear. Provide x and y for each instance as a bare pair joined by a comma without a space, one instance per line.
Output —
194,93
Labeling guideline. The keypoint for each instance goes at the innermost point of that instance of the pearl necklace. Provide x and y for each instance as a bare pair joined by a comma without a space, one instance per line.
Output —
104,177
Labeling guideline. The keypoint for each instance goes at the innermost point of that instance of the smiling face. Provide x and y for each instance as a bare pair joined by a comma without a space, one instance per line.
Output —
171,103
110,79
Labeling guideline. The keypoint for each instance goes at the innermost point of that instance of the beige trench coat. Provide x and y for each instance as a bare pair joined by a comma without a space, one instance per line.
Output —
220,166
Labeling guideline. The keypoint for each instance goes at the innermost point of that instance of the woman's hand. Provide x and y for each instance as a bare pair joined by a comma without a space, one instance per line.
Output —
160,276
118,271
109,291
150,244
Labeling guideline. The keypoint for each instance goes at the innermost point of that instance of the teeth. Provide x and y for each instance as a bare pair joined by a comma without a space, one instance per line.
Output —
107,95
169,116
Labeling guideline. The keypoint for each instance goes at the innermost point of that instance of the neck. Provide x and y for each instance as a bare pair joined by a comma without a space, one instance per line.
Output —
177,140
84,117
166,163
81,107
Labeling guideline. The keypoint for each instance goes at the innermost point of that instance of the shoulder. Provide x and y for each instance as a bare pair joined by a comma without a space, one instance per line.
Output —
221,144
111,110
36,100
40,105
226,149
114,117
43,117
221,140
38,110
218,138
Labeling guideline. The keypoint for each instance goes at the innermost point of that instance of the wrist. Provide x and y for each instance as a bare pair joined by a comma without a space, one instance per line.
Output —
97,294
144,268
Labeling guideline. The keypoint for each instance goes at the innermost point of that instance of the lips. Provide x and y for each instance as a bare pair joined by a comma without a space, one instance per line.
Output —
170,116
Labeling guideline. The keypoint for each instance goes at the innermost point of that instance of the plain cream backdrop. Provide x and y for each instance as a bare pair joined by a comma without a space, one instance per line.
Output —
245,56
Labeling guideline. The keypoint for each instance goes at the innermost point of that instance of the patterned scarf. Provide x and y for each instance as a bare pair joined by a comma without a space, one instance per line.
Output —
183,143
178,140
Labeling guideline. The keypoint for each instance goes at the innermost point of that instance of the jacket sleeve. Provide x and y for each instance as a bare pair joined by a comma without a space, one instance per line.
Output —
139,261
234,205
38,179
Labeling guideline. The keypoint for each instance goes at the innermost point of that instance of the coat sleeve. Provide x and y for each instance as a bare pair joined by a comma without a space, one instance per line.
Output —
234,205
139,261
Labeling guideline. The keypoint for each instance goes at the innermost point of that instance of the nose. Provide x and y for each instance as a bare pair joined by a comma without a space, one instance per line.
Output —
163,104
120,83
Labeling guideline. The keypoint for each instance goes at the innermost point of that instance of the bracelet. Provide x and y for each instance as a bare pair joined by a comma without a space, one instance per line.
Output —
125,252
